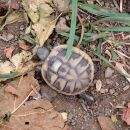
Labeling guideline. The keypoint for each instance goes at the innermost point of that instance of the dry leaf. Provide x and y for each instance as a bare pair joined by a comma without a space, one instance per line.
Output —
24,46
40,12
114,119
24,88
35,115
9,51
6,67
98,85
21,58
106,123
120,67
27,67
10,89
126,115
13,17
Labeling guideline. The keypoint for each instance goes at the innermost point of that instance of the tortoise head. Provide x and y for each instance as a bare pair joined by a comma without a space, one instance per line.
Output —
42,53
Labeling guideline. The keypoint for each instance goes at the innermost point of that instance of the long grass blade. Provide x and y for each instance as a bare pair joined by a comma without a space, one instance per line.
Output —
9,75
100,11
115,29
72,29
125,20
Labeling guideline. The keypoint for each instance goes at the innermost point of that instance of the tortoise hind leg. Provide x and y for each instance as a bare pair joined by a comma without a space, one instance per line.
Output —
87,98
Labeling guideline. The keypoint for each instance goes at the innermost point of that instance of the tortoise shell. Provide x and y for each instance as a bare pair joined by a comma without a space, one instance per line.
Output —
69,77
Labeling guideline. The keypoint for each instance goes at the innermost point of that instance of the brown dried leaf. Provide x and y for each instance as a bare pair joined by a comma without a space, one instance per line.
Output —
35,115
106,123
24,88
41,14
9,51
126,114
13,17
24,46
10,89
120,67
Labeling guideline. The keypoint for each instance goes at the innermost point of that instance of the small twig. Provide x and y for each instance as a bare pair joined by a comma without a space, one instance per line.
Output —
121,5
82,11
126,37
34,89
118,52
21,103
18,87
82,31
99,2
35,113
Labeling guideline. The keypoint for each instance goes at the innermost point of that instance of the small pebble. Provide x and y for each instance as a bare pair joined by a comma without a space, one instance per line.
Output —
112,91
126,87
115,94
10,36
108,72
98,85
117,84
106,90
22,27
109,81
73,122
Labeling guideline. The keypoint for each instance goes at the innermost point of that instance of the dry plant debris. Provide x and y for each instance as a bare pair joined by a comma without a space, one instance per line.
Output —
126,115
16,62
106,123
43,22
9,102
36,114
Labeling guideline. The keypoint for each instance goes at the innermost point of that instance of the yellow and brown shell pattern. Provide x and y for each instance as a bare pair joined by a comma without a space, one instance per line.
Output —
69,77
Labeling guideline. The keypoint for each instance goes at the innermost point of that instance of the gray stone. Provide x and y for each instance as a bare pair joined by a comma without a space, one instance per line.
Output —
109,81
108,72
10,36
126,87
112,91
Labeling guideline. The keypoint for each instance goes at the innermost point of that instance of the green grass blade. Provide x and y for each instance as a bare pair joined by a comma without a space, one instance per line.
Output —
99,50
115,29
100,11
67,35
9,75
94,37
125,20
104,59
114,55
72,29
29,40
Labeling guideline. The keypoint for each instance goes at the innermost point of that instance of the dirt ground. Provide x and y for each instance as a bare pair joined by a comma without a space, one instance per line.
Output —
80,115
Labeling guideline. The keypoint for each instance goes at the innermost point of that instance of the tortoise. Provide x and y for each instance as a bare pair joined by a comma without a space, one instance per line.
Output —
71,76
